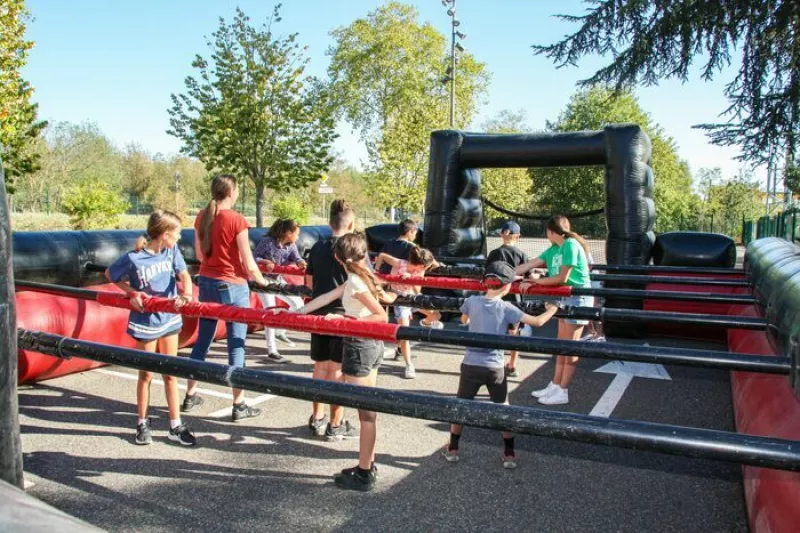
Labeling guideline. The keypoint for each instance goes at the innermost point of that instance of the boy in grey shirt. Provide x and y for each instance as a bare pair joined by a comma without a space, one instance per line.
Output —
489,313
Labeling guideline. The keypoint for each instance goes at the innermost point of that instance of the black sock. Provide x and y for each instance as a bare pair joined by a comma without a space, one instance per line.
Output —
361,472
454,441
239,406
509,445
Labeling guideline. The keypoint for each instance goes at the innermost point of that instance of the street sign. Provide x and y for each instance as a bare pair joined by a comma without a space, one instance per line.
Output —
325,189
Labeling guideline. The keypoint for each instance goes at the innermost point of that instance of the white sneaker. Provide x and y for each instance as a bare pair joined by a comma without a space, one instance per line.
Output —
436,324
559,397
281,336
410,372
545,391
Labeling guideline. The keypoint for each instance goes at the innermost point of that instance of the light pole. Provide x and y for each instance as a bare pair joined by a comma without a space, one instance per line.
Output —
454,46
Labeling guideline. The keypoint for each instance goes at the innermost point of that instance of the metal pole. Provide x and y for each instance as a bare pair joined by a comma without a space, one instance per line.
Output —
10,445
453,67
645,436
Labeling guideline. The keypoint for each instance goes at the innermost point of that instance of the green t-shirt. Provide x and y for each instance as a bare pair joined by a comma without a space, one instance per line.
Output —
571,253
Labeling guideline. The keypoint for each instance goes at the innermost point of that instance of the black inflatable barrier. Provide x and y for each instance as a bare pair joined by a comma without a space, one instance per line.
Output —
380,234
773,265
61,257
694,249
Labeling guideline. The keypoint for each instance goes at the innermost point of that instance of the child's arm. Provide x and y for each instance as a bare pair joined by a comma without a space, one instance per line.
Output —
465,319
133,295
540,320
186,295
385,258
522,269
246,257
559,279
369,301
198,247
322,300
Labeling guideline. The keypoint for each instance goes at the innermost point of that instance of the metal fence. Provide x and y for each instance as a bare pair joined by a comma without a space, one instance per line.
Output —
783,225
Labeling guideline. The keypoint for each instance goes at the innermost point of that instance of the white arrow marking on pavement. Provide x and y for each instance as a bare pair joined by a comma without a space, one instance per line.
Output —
625,372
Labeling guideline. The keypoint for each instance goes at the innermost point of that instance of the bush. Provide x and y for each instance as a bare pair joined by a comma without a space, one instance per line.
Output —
93,205
293,208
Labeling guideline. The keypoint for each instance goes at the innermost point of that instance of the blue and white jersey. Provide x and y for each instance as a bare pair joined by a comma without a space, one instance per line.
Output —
155,275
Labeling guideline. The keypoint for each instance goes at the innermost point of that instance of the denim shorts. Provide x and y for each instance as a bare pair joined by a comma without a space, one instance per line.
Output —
361,356
401,311
578,301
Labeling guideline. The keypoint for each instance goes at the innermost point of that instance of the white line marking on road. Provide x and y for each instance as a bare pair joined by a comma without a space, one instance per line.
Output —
255,401
625,372
133,377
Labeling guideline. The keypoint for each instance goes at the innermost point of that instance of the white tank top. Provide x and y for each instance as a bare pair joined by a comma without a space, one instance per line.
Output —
352,305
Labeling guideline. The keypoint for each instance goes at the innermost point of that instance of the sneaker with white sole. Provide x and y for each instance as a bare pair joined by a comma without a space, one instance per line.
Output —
182,435
541,393
410,372
436,324
510,461
281,336
143,433
451,456
559,397
275,357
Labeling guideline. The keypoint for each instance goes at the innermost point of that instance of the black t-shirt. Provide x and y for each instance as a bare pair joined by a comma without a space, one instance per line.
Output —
508,254
326,272
398,249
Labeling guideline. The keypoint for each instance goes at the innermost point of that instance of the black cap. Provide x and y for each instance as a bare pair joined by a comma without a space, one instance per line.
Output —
502,271
511,227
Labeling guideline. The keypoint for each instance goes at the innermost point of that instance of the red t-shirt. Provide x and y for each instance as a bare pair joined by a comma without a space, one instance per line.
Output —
224,262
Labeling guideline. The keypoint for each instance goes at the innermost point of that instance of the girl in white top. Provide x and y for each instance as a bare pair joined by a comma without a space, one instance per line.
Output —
361,358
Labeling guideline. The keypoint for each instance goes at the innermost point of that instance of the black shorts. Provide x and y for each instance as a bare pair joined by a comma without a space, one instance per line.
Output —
474,377
326,348
361,356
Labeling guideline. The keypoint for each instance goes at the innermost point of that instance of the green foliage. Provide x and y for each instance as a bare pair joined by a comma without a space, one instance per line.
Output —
650,40
729,202
791,178
508,187
92,204
251,111
19,126
291,207
582,189
386,71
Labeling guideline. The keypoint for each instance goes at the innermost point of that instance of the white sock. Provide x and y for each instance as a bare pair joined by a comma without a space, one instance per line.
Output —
174,423
142,421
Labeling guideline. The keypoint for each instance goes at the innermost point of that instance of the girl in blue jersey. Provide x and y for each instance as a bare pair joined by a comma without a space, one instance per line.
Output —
153,269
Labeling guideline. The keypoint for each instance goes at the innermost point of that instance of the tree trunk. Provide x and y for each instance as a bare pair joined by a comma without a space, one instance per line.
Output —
259,206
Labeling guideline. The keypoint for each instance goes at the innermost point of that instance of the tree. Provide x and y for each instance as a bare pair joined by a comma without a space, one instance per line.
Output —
508,187
19,126
251,111
650,40
93,204
578,189
733,201
386,71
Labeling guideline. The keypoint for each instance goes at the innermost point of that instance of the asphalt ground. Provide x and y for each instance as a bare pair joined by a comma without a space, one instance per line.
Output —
267,474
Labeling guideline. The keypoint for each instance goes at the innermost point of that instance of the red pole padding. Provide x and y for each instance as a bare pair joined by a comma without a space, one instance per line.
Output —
288,270
466,284
343,327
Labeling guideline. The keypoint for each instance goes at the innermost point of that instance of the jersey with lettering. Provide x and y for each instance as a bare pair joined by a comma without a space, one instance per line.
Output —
154,275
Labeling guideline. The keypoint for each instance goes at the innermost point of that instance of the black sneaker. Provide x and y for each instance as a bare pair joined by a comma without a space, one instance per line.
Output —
353,479
190,402
397,354
143,435
317,426
182,434
242,411
275,357
342,431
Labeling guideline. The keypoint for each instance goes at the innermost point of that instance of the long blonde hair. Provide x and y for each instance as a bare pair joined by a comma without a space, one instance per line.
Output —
351,250
222,186
159,223
559,224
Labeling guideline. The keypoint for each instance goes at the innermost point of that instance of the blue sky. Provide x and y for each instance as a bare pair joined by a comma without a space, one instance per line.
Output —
116,63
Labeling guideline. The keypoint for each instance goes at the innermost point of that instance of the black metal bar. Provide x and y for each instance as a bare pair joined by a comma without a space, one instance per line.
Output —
10,445
651,269
671,280
602,350
453,304
705,297
646,436
57,290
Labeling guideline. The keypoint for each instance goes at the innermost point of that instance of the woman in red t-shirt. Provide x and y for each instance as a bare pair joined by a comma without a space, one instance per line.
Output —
222,244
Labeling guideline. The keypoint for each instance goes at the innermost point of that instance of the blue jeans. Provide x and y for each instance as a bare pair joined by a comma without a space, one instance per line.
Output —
223,292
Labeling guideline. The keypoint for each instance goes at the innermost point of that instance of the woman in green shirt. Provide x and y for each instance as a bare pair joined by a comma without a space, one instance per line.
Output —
567,263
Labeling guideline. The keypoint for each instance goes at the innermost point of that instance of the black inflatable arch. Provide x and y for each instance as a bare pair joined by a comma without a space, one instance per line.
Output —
453,210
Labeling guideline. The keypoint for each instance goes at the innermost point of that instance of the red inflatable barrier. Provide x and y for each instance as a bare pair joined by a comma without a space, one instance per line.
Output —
765,405
71,317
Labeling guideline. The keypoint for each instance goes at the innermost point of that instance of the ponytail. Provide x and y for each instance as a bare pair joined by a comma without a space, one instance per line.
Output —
351,250
141,242
205,227
581,241
559,224
367,277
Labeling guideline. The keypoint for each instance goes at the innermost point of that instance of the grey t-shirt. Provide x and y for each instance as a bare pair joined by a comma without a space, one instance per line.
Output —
488,315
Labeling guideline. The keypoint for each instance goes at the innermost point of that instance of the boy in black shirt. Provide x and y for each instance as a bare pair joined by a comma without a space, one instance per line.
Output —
400,247
323,274
513,256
